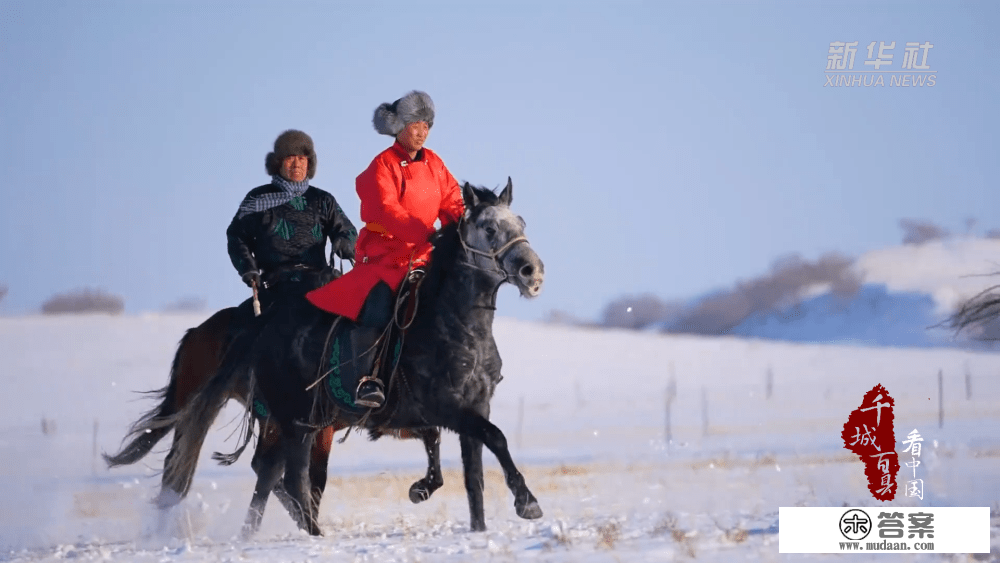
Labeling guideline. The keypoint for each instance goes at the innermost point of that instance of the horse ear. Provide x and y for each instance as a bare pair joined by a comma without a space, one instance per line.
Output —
507,195
469,195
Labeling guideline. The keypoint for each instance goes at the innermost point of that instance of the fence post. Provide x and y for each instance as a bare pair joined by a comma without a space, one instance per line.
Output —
93,460
520,420
704,411
671,393
940,398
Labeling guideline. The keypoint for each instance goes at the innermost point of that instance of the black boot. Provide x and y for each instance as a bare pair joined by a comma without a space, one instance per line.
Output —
370,393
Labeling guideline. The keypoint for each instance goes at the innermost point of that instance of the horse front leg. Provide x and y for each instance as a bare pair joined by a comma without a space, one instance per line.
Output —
319,459
268,462
472,468
472,425
297,445
424,488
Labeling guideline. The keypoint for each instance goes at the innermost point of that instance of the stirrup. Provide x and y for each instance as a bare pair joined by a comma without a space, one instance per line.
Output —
415,275
374,398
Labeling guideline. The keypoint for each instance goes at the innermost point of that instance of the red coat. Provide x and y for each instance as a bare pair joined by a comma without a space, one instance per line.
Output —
400,201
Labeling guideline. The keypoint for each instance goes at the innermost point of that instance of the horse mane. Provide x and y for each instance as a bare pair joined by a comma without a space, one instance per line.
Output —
485,195
446,243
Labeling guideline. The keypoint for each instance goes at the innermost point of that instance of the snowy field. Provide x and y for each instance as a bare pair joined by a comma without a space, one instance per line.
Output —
584,413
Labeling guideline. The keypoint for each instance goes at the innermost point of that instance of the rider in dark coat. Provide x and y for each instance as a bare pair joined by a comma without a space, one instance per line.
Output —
277,240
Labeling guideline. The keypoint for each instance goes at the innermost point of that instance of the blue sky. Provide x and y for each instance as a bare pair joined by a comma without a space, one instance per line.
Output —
660,147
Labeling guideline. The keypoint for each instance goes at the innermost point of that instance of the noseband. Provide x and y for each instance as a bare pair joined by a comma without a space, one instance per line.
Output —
495,255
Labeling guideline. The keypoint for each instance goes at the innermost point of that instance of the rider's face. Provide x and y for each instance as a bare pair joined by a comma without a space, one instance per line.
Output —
413,136
295,168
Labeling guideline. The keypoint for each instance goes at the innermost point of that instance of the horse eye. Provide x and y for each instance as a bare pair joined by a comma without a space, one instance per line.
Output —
491,232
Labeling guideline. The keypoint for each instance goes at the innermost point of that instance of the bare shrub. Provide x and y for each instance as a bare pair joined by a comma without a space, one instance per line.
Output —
638,311
978,317
84,300
919,231
608,535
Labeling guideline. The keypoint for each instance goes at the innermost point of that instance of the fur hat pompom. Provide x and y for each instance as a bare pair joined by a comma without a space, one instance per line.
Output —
390,119
291,143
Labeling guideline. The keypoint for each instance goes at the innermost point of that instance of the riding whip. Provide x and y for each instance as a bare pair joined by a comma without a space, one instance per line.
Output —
256,299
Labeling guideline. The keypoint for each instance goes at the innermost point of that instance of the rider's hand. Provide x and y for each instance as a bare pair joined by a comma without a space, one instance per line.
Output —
252,278
343,248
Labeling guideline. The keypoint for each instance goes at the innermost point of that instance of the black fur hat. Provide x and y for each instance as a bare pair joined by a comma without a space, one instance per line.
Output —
390,119
291,143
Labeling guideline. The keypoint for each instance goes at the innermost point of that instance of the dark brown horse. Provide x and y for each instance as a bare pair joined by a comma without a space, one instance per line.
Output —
197,359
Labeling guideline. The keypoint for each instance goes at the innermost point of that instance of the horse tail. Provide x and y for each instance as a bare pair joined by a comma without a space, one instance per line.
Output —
150,429
192,422
198,355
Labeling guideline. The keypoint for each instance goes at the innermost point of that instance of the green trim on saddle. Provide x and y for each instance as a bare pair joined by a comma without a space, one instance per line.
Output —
333,383
335,356
259,409
337,390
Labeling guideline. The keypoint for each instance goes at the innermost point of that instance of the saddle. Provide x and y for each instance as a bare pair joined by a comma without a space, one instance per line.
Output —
356,352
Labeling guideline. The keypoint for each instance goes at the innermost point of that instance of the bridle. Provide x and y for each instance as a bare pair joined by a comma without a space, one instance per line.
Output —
495,255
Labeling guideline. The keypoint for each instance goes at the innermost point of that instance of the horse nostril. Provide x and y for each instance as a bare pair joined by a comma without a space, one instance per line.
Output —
527,271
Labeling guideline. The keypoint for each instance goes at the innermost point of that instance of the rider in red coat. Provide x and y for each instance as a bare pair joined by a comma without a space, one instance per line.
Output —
403,192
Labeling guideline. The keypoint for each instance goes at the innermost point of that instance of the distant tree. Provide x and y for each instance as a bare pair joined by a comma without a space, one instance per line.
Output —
188,304
638,311
714,315
970,224
919,231
559,317
993,234
783,288
84,300
3,291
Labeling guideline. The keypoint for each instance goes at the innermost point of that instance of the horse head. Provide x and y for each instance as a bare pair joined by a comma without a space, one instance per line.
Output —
493,237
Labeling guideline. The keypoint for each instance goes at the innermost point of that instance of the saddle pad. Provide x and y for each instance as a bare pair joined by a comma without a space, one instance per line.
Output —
344,369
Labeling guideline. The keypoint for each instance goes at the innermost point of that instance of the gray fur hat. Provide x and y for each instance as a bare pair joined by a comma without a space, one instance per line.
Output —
291,143
390,119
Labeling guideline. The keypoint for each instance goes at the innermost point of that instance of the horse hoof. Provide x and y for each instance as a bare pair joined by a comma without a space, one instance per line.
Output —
167,498
419,494
478,526
530,511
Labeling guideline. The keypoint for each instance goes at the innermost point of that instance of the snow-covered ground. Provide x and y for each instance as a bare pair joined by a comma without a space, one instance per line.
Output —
583,410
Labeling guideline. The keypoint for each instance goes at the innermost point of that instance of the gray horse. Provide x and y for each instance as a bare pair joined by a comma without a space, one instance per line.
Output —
444,375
